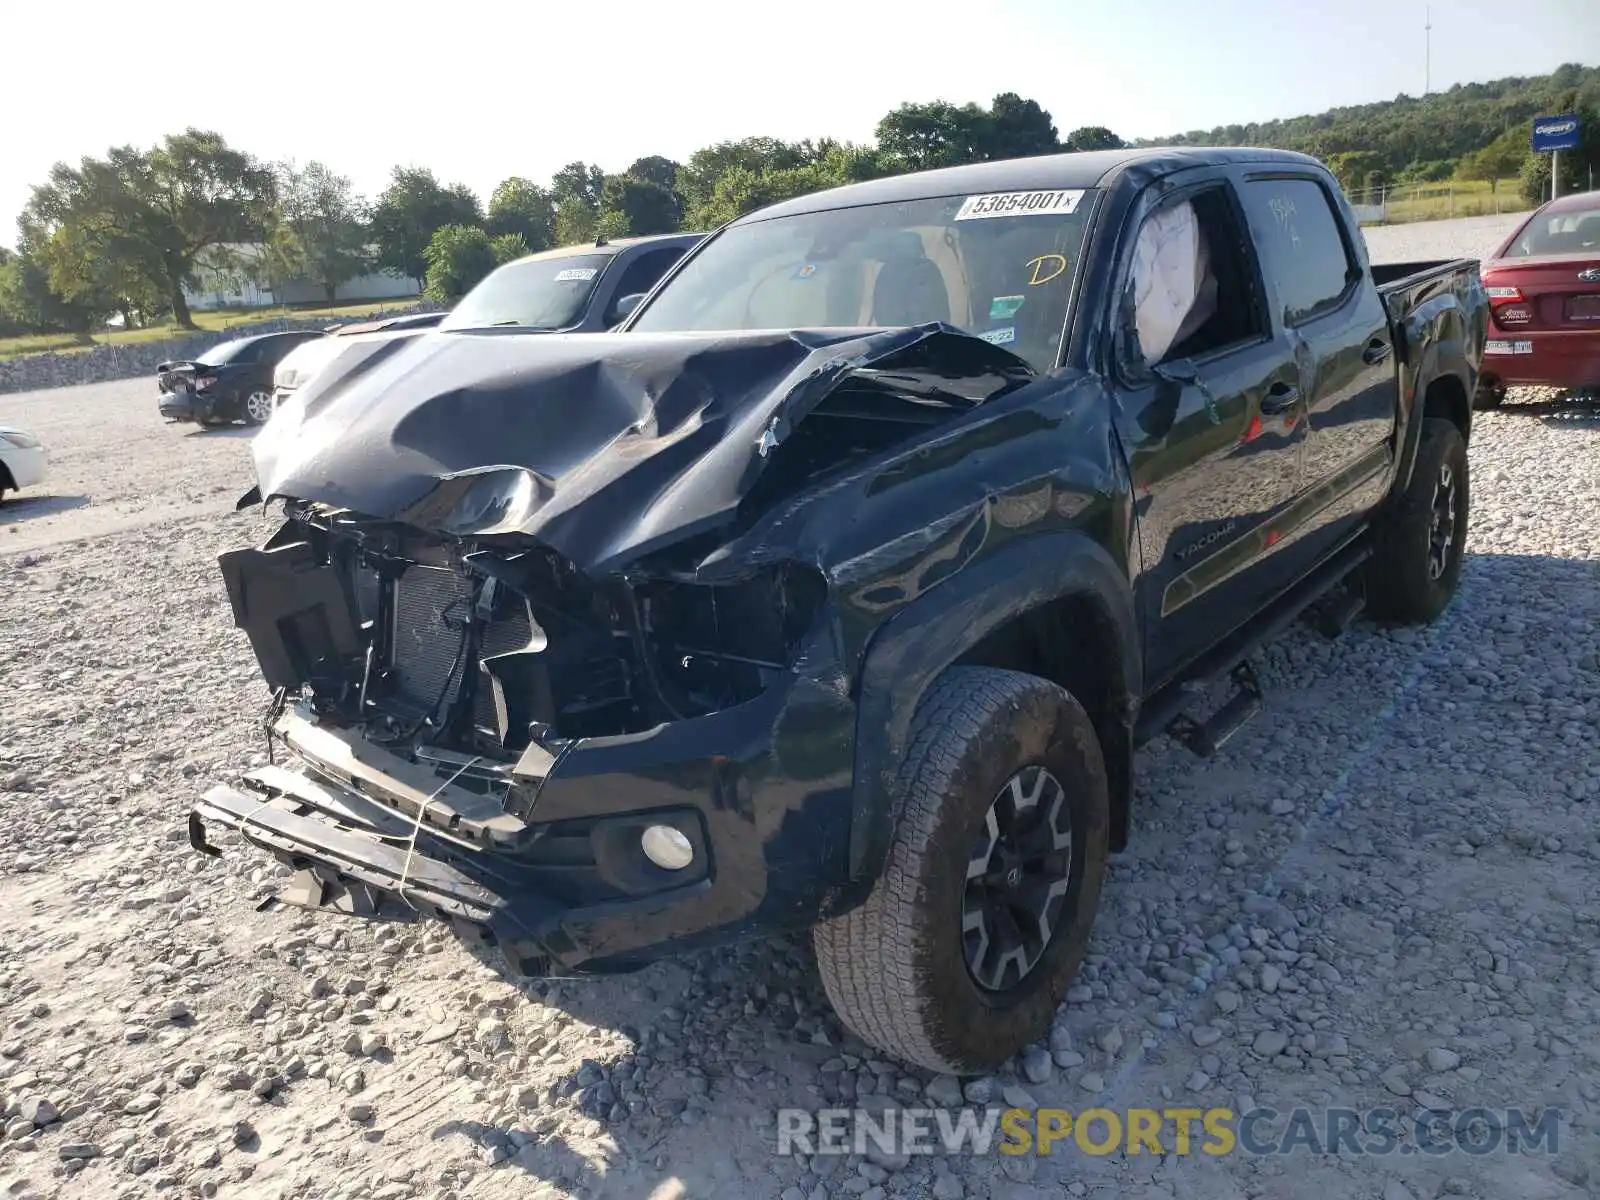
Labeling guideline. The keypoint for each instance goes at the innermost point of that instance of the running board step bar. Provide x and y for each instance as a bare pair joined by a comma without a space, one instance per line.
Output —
1206,737
1169,705
1339,611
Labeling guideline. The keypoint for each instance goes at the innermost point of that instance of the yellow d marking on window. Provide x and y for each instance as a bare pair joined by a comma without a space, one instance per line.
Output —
1045,268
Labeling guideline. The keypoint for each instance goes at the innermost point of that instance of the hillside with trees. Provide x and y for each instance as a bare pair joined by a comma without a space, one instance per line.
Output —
1471,131
123,234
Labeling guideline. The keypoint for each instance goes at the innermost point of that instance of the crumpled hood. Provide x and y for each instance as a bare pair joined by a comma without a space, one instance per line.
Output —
603,446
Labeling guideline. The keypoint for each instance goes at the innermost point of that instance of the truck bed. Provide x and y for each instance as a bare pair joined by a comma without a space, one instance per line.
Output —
1407,288
1395,277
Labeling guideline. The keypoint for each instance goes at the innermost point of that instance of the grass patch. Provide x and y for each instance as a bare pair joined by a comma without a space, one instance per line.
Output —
213,320
1443,201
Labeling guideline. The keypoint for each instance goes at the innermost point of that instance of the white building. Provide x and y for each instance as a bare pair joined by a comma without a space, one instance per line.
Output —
232,276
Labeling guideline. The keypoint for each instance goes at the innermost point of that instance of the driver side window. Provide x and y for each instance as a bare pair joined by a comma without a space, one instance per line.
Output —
1191,289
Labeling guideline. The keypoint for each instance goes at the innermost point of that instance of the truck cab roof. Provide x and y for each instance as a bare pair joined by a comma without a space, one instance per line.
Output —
1086,169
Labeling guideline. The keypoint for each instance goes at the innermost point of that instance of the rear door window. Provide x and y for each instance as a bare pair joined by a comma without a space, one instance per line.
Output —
1302,245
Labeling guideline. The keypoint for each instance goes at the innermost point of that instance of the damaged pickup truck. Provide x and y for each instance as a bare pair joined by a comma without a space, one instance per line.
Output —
837,589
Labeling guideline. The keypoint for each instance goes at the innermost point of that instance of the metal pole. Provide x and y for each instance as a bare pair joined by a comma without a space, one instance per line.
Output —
1555,174
1427,51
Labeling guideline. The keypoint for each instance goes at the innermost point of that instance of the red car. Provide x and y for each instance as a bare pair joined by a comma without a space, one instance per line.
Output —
1544,301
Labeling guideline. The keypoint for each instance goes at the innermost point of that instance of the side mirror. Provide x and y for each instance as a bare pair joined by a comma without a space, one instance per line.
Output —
623,308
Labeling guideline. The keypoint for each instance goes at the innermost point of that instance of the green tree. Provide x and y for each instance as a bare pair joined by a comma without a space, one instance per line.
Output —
29,302
1500,159
523,208
152,213
322,229
410,210
642,206
1093,137
845,162
1439,128
655,169
82,277
610,225
580,181
740,190
1351,168
1019,128
458,256
698,177
508,247
577,187
919,137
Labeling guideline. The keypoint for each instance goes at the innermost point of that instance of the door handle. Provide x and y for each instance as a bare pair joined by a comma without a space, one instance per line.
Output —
1280,398
1377,350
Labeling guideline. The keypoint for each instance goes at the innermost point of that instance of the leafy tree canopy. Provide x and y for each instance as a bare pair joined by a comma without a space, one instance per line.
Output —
408,213
151,212
322,231
521,208
458,257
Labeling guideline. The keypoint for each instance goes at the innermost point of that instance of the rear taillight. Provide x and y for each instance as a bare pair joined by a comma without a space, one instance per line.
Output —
202,382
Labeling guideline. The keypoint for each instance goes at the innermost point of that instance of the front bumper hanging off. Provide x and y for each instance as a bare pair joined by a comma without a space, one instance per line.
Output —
367,830
354,852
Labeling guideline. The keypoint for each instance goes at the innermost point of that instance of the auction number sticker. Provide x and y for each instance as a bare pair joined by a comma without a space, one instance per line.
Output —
1018,204
580,273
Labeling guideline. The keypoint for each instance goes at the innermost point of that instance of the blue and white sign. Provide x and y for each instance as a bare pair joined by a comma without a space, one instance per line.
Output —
1555,133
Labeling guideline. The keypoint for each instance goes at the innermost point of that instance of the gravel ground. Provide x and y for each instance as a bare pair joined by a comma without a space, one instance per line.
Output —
1464,237
1383,891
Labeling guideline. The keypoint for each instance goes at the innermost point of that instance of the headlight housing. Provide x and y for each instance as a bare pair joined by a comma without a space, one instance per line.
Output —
22,441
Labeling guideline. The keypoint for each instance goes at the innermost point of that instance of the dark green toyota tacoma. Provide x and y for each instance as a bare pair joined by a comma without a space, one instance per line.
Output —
837,588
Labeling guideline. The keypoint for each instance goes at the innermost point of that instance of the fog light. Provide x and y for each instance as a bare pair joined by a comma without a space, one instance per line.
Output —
667,847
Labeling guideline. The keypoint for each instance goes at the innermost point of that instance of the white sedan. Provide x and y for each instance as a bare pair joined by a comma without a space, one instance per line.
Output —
22,460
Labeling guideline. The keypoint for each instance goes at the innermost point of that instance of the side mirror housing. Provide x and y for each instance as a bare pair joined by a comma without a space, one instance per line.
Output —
623,308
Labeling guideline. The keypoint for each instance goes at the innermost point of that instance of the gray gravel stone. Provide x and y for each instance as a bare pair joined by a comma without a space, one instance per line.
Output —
1036,1065
1441,1059
1270,1042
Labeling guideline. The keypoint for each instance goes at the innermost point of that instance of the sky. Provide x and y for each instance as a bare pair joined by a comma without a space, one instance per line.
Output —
482,89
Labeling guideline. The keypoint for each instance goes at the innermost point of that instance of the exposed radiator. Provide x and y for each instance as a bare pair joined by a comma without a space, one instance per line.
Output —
431,608
425,646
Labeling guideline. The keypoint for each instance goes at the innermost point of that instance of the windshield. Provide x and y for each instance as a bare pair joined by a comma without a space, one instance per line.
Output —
224,353
310,356
538,293
999,266
1574,231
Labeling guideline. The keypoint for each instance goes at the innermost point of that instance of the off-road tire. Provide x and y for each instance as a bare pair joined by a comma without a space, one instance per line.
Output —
1400,587
895,967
